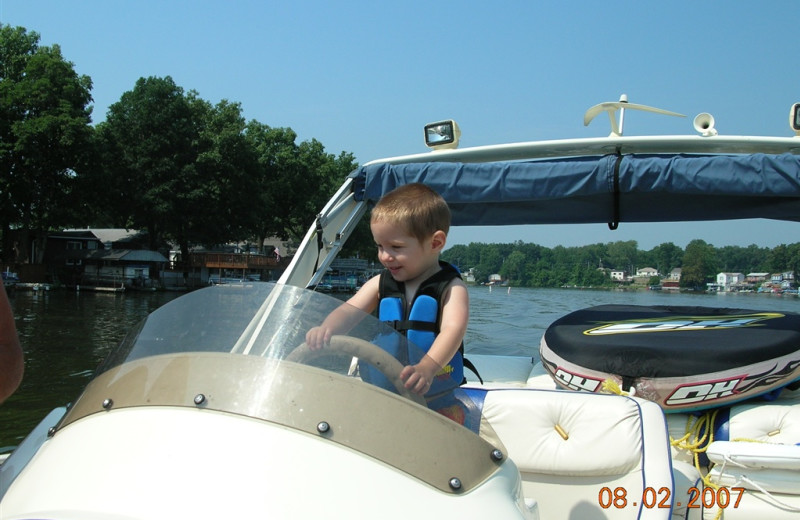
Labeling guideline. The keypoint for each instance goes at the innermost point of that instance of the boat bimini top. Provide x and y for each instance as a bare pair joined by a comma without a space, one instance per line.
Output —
610,180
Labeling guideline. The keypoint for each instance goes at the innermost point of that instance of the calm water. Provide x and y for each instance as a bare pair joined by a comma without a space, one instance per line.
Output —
513,322
65,334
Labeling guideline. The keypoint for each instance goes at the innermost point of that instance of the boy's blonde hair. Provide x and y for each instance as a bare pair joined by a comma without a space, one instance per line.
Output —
416,207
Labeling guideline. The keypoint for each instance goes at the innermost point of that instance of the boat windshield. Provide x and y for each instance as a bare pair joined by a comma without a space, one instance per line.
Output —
240,349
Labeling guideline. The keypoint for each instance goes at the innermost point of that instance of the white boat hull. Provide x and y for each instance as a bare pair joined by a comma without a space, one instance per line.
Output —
168,463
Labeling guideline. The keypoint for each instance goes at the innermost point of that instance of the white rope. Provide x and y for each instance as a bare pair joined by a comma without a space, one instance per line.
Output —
744,479
727,458
777,502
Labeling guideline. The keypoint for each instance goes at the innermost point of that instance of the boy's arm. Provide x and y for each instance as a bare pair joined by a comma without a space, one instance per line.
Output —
455,316
345,317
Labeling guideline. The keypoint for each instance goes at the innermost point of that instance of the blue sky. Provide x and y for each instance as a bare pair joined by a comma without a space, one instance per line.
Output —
365,76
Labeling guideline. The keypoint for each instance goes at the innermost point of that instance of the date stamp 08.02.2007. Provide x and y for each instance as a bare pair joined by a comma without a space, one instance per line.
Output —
706,498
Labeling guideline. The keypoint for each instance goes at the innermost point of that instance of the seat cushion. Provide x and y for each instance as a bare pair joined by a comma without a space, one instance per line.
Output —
604,434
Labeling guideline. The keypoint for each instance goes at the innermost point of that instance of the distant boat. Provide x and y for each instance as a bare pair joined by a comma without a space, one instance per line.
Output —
10,279
102,288
33,286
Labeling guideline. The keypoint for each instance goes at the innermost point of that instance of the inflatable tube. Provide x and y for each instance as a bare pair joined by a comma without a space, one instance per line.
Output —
683,358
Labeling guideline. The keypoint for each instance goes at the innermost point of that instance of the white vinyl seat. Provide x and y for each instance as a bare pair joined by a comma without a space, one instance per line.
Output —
759,462
585,456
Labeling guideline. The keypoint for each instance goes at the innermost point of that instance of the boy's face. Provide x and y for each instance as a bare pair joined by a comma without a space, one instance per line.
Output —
404,255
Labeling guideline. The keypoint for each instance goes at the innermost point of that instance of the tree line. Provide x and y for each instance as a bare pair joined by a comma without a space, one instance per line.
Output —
187,171
531,265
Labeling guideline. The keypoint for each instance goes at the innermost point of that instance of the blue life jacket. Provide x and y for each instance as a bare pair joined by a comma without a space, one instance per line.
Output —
420,326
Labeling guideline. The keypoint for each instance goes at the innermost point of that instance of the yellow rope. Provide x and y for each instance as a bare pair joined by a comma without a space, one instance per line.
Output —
745,439
612,387
696,440
699,435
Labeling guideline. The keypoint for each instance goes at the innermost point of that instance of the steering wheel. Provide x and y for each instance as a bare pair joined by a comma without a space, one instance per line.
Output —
363,350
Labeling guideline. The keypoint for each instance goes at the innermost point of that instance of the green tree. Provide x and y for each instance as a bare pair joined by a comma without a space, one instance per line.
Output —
180,168
319,175
361,244
699,264
743,259
459,255
623,255
666,257
490,260
152,135
218,206
513,268
45,134
779,259
276,162
294,181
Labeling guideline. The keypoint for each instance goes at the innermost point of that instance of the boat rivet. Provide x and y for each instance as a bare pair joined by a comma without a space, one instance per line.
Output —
455,483
108,403
51,431
199,399
497,455
323,427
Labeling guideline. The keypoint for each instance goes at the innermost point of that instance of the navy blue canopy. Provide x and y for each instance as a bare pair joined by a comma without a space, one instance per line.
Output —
610,188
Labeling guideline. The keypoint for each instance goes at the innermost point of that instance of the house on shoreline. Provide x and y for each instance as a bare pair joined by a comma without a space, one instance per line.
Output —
109,259
118,259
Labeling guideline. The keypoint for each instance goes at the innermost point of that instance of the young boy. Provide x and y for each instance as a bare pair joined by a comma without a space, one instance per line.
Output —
410,226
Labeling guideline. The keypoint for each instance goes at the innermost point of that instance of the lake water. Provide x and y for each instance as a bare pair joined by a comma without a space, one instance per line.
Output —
512,322
65,334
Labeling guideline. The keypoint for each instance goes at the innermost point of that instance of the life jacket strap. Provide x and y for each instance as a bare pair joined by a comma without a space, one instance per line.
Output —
470,365
404,325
